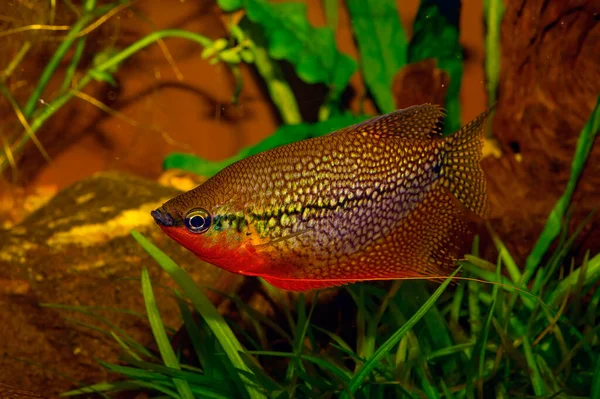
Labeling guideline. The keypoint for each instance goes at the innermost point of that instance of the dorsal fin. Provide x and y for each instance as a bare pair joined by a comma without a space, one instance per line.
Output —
417,122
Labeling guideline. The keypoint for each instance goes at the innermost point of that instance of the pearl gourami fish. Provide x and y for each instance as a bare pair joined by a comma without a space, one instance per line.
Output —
388,198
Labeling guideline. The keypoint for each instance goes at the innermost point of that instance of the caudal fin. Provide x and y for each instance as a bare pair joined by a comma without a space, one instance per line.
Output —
461,171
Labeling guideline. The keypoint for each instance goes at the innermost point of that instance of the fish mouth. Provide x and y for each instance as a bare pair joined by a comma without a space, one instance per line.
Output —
163,218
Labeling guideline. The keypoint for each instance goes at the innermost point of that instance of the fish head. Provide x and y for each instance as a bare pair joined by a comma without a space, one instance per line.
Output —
212,227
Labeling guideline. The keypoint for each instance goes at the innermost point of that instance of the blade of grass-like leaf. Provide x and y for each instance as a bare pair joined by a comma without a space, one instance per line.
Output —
549,377
450,350
342,374
595,389
54,62
534,372
432,330
203,345
127,338
72,68
582,343
195,378
256,315
592,308
160,335
119,387
15,62
79,308
45,113
382,44
263,379
553,224
493,11
361,318
371,363
207,310
134,372
426,385
473,289
456,304
592,274
125,346
549,270
301,329
313,382
481,342
511,266
336,338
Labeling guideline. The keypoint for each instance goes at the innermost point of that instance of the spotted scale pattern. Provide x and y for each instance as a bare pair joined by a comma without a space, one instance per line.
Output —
375,200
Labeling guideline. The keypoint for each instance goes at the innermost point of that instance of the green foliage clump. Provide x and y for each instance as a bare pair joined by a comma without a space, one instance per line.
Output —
477,341
501,339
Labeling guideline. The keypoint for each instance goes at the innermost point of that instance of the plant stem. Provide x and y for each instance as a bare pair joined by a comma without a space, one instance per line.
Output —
280,91
16,61
72,68
54,62
112,62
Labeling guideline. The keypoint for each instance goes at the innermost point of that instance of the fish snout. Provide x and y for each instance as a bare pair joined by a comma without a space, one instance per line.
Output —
162,217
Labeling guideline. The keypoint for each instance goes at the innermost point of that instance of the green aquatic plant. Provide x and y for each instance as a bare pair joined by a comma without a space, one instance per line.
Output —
382,44
435,35
267,34
284,33
105,64
493,11
288,35
482,340
408,343
284,135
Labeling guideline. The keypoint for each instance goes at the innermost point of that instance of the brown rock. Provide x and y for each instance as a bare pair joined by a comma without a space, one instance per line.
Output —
77,250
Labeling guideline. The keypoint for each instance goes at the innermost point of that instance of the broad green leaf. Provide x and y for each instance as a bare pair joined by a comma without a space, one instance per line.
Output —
284,135
291,37
382,44
230,5
554,222
435,35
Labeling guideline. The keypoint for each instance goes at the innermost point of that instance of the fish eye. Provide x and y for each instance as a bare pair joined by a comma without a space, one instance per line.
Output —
197,220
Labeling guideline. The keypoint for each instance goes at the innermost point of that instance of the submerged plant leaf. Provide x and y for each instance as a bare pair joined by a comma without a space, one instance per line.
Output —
160,335
207,310
291,37
284,135
554,222
358,379
382,44
436,34
493,11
